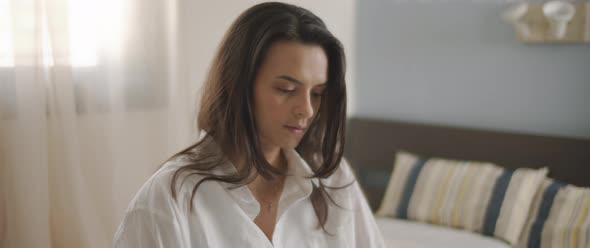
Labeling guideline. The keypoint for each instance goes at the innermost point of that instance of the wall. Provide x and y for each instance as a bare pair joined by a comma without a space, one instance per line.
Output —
457,63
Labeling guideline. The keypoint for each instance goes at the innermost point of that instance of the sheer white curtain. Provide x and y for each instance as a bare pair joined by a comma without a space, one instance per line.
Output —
93,96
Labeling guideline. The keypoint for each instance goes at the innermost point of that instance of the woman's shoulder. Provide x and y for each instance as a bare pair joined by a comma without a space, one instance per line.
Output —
153,213
342,176
156,192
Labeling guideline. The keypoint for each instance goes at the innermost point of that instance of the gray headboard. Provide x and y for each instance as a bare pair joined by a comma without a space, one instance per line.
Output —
371,145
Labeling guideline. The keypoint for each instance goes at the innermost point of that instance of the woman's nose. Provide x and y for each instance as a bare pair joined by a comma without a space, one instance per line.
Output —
304,107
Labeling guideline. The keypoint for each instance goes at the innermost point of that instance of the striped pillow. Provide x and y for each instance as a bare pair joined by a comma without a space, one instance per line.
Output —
559,217
476,196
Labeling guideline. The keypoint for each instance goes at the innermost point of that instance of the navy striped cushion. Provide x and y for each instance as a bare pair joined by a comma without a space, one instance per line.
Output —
559,217
476,196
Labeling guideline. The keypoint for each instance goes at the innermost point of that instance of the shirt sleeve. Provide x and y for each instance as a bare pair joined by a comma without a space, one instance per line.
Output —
366,230
145,228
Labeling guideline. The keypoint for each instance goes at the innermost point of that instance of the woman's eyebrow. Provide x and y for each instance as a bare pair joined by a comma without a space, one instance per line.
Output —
293,80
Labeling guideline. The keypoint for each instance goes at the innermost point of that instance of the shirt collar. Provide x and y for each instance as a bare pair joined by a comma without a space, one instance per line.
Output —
298,184
299,168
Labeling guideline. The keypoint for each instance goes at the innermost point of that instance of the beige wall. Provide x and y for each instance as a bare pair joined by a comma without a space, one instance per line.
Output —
205,22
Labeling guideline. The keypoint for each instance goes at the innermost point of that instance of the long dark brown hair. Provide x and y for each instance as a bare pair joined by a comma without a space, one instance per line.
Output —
226,112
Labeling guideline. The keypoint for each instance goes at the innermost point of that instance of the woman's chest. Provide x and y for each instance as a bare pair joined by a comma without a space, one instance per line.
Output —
297,227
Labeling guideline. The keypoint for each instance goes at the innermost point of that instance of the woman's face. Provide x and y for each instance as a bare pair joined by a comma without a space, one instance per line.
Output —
287,92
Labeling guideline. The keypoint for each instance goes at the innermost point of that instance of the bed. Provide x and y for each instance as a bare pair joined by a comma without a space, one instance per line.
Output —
371,146
410,234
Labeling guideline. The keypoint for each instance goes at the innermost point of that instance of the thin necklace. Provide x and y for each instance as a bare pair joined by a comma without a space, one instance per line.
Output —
276,188
275,192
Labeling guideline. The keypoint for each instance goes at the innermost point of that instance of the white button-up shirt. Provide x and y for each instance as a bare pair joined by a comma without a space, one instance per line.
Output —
223,217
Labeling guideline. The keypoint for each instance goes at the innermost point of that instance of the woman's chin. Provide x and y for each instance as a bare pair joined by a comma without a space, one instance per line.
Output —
290,144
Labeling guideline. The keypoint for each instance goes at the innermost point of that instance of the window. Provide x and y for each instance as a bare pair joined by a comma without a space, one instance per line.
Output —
81,32
95,39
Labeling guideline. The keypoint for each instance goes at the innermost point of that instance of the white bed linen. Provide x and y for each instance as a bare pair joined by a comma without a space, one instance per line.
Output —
409,234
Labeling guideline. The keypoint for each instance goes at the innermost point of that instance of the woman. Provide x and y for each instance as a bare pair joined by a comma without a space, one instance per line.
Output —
269,169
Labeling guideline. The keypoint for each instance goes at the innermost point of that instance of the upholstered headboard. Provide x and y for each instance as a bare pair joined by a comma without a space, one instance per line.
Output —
371,146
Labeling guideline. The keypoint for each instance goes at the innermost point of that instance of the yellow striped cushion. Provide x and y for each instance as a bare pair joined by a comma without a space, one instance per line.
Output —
559,217
476,196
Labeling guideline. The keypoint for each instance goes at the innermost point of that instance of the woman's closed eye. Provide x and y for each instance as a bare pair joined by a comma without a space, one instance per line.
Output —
286,91
318,93
290,91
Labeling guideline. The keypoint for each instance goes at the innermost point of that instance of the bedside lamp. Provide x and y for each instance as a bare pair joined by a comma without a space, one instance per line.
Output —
558,13
517,16
555,21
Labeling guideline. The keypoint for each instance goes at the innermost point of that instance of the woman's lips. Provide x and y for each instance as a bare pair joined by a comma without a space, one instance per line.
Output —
295,130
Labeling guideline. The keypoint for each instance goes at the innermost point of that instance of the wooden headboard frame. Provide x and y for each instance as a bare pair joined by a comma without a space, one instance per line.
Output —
371,145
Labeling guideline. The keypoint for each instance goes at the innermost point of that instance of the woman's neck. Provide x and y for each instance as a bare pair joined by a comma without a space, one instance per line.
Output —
275,157
269,190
